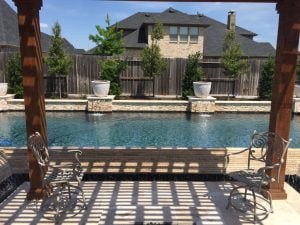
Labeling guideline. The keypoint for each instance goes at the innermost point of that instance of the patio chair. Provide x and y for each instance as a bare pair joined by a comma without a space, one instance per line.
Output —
58,177
256,181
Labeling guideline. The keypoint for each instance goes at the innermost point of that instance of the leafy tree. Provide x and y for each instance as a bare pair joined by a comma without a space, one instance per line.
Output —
192,73
108,40
152,62
111,69
59,63
266,80
14,72
232,60
110,43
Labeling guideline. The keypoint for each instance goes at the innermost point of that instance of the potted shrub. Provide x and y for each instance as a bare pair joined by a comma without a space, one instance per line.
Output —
100,87
192,82
108,43
297,85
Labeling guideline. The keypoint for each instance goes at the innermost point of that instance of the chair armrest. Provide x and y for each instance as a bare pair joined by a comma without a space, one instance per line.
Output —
76,153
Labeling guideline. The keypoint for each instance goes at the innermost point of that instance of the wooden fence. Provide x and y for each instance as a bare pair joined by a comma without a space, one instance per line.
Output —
86,68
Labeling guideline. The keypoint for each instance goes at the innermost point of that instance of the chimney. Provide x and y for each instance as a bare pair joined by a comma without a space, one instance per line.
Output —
231,20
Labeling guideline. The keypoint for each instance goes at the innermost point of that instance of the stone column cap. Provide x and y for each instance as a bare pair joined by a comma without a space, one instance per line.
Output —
194,98
108,97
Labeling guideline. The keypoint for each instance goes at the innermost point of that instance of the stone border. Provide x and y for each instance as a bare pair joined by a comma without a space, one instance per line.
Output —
108,104
149,159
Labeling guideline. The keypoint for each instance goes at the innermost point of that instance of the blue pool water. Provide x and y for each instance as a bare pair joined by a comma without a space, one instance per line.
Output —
143,129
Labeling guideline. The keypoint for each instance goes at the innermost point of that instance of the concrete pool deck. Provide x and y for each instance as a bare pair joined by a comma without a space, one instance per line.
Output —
146,202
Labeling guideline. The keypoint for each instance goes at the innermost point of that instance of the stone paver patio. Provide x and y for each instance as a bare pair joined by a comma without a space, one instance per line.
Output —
145,202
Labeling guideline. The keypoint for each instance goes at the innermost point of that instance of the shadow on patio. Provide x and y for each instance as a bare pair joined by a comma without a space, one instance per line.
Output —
149,202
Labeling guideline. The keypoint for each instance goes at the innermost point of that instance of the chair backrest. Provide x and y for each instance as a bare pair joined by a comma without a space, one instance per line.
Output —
40,151
269,148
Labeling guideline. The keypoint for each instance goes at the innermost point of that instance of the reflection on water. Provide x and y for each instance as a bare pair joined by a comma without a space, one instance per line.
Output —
143,129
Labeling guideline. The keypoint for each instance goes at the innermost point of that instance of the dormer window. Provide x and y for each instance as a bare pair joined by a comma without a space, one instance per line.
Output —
173,34
183,34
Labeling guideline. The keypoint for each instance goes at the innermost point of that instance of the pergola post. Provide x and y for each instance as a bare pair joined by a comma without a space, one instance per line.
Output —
284,80
32,71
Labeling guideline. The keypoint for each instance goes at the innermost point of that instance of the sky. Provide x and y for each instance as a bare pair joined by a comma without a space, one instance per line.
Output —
79,17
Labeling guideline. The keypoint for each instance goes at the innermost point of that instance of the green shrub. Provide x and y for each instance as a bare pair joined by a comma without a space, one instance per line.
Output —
266,80
110,70
192,73
14,72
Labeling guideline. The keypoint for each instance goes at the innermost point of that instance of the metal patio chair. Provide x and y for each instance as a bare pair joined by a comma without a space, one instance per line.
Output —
257,180
61,178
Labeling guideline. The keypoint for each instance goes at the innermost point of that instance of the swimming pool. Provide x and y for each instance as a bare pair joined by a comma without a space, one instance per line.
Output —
143,129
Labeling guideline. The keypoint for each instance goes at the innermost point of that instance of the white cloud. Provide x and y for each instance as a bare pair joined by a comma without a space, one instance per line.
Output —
43,25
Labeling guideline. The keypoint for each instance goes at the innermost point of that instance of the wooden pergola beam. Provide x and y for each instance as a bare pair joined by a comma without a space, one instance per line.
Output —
284,80
32,71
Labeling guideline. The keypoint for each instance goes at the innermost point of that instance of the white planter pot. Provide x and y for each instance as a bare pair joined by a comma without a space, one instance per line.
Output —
297,90
202,89
3,89
101,87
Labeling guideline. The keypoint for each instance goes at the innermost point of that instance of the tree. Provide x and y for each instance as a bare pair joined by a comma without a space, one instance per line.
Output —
192,73
152,62
232,61
108,41
266,80
14,72
59,63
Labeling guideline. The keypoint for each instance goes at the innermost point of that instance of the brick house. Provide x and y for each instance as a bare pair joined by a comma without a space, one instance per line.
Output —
185,34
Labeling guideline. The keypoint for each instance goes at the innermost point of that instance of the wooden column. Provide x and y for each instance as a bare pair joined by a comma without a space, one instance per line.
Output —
32,71
284,80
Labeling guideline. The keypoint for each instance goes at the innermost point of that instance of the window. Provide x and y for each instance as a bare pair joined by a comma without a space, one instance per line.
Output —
194,34
173,34
183,34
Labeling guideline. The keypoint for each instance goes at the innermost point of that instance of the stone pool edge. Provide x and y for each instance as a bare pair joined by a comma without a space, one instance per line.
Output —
108,104
147,160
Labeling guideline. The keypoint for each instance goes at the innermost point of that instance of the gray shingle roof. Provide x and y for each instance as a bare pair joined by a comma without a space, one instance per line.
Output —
9,31
214,32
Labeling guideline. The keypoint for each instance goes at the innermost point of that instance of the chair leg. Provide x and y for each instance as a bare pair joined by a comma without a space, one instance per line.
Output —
254,208
79,186
229,197
246,189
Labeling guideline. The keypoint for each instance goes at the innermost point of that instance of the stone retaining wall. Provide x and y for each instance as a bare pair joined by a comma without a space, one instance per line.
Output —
150,105
243,106
107,104
149,160
51,105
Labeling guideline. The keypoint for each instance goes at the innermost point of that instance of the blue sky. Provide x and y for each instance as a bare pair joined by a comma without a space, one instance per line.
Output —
79,17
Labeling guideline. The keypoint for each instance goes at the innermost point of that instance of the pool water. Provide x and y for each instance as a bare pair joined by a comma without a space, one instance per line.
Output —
143,129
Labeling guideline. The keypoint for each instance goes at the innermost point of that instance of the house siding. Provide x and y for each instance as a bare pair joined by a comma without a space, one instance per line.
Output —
176,50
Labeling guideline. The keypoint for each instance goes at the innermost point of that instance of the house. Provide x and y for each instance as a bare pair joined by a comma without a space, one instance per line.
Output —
185,34
9,33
